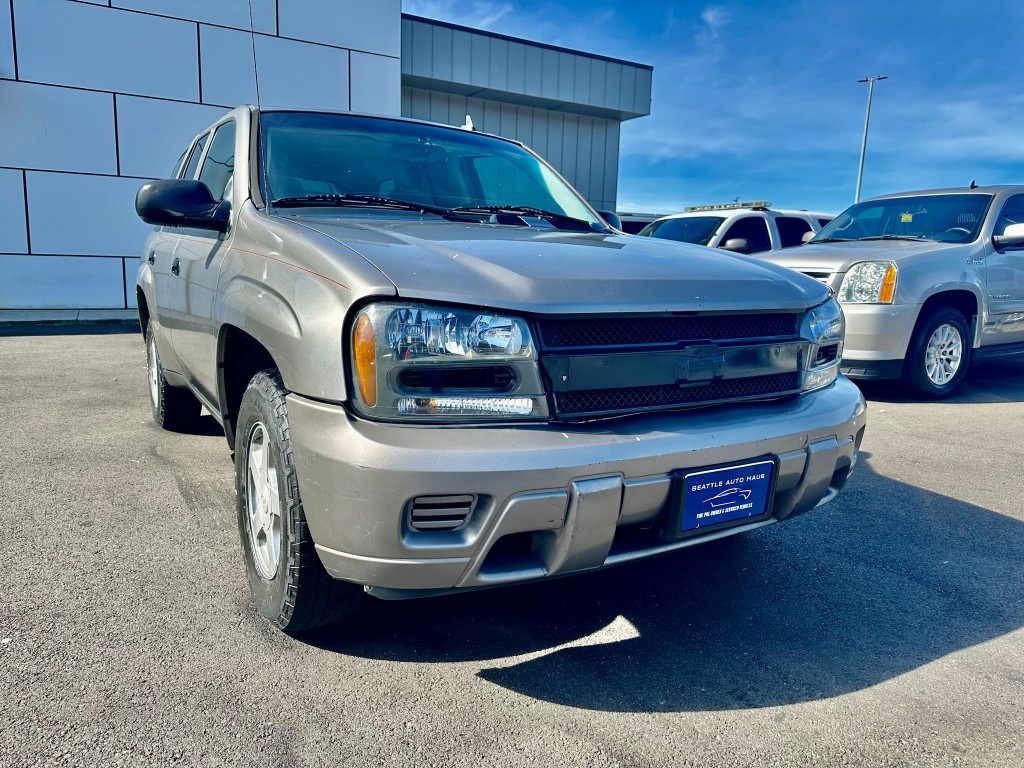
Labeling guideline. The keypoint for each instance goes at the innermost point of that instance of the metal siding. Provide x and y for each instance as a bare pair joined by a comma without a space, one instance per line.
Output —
462,65
642,100
581,84
480,60
612,85
407,34
442,45
498,73
516,67
582,152
599,137
598,78
566,76
534,68
570,138
422,50
549,74
611,164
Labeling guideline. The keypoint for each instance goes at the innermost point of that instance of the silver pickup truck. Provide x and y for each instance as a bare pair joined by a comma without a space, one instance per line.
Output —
438,369
929,282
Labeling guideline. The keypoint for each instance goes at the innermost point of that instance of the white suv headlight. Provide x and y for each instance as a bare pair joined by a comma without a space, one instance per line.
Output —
427,363
870,282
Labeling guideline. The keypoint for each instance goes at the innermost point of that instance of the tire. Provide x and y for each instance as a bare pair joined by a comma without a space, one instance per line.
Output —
939,355
174,409
288,583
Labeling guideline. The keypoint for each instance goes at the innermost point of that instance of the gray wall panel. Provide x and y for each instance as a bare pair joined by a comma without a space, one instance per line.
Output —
6,42
376,84
13,238
43,135
56,282
53,49
227,13
100,222
152,133
356,24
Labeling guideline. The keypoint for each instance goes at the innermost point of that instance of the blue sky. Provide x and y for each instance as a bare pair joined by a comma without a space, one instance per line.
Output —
760,99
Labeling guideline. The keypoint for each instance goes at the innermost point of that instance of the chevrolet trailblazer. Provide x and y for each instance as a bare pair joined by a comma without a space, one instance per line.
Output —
438,369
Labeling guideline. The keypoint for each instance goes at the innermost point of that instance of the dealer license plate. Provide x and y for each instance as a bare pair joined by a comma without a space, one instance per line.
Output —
713,497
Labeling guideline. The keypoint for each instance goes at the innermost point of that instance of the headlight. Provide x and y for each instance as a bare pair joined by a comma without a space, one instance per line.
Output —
825,327
427,363
870,282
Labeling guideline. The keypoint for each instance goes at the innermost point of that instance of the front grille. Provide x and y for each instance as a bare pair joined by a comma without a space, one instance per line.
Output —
564,333
440,513
665,396
820,276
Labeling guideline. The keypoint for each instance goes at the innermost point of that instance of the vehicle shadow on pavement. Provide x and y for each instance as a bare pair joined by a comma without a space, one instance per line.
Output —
884,580
989,382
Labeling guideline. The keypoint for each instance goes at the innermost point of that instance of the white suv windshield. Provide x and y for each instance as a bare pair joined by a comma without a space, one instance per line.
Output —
689,229
310,155
945,218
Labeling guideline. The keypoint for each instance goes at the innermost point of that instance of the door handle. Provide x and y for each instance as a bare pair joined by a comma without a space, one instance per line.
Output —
176,267
151,258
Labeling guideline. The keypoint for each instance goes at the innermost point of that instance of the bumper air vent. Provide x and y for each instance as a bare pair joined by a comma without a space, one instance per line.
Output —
440,513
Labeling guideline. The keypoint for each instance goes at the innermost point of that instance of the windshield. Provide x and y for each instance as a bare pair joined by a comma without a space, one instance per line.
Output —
944,218
310,154
691,229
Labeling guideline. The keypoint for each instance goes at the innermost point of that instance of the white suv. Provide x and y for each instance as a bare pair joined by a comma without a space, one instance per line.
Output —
741,227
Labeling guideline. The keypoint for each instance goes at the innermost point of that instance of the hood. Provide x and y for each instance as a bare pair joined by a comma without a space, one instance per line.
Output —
839,257
556,271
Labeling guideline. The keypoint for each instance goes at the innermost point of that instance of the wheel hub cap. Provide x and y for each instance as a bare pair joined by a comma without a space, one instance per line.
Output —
263,503
943,354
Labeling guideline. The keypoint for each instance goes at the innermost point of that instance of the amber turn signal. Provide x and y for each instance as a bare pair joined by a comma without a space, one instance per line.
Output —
365,353
888,285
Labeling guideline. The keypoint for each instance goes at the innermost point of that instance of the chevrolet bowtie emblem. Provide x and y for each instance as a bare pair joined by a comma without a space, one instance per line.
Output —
700,364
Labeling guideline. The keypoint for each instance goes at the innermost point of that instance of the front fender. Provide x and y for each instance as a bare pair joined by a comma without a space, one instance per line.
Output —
299,321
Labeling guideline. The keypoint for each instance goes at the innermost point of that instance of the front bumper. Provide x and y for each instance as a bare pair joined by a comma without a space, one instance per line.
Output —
566,497
878,332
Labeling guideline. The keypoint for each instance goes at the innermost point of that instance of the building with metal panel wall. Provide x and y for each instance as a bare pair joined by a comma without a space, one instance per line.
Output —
88,114
565,105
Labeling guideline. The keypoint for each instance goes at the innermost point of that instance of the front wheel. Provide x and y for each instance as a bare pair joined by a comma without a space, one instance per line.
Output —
286,578
939,354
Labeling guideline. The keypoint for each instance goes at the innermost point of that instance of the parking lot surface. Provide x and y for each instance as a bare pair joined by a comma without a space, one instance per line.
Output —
882,630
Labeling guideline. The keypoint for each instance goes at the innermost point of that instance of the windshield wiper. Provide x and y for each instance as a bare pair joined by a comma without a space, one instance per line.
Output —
526,210
368,201
830,240
895,237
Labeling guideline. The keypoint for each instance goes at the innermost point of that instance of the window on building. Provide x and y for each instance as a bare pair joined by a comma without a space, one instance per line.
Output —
753,229
219,165
791,230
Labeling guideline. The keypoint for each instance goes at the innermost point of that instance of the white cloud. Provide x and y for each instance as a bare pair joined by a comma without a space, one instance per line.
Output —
481,14
714,18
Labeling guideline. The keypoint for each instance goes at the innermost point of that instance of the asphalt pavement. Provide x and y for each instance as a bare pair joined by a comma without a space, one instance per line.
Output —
882,630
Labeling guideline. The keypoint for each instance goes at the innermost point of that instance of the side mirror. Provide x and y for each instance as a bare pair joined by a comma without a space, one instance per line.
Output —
736,244
180,203
1012,236
808,236
612,219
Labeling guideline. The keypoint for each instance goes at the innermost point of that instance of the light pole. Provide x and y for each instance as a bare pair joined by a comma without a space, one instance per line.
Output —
867,119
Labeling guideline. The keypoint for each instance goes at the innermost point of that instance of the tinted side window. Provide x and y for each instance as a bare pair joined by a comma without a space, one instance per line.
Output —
823,222
219,165
751,228
193,162
791,230
1013,213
